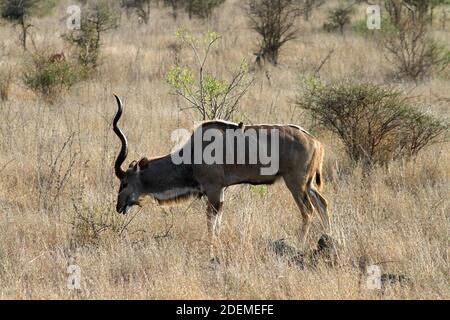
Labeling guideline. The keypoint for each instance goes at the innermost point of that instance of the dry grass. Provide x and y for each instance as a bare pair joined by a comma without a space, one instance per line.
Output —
57,191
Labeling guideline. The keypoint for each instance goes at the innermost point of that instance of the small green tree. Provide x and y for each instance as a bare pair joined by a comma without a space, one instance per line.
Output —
20,11
210,96
97,18
338,18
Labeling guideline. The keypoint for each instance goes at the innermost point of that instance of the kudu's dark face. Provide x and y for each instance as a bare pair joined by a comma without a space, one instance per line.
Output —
129,191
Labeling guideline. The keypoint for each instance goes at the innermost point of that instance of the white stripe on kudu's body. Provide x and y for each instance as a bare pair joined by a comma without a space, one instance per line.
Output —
300,166
174,193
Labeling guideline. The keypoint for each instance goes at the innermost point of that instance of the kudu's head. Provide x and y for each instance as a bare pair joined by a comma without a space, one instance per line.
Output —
131,187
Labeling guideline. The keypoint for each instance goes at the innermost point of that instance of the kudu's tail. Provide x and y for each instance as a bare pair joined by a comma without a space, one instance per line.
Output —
314,192
319,177
315,167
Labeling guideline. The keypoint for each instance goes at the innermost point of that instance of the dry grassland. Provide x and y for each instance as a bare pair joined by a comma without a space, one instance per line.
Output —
58,191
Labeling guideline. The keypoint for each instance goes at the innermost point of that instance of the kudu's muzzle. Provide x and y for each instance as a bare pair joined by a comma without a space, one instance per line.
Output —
122,209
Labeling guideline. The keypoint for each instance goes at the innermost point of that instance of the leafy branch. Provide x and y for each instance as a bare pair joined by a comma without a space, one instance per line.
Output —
211,96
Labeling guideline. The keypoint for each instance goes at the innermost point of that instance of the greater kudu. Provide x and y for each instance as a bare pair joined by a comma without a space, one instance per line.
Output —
300,164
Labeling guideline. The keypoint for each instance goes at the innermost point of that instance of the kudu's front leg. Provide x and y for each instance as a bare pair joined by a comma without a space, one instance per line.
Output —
214,215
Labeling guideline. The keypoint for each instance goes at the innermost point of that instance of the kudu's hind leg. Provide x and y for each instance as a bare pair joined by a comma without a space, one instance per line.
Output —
214,216
307,211
321,206
303,202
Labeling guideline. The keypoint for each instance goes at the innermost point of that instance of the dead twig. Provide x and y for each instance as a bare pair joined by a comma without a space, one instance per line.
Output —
328,56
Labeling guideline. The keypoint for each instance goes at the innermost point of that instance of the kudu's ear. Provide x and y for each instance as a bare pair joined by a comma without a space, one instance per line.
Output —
143,163
133,165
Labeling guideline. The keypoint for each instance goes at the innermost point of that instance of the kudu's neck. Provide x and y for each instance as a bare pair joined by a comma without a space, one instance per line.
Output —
162,175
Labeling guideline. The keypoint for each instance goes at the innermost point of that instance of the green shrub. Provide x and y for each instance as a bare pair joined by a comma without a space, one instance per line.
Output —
375,124
360,27
49,79
338,18
97,18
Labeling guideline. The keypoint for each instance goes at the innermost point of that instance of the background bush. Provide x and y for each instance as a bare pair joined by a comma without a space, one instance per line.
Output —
97,18
201,8
49,79
411,47
376,124
140,7
386,27
338,18
19,13
275,22
211,96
